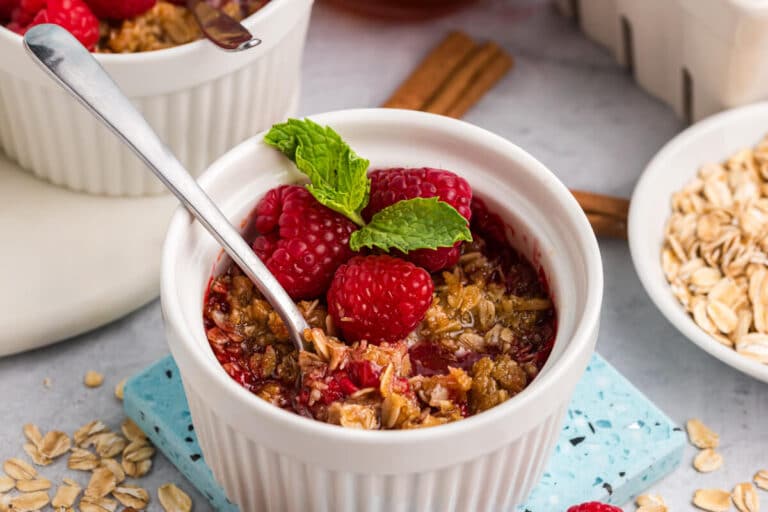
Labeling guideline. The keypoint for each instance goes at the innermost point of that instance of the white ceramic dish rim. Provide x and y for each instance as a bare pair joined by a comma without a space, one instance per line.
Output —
180,69
646,195
584,329
155,55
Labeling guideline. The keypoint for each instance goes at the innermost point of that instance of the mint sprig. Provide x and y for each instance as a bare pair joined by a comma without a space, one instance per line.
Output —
338,179
337,174
419,223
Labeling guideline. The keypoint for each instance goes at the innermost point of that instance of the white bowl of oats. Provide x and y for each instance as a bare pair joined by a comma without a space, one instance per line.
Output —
268,457
698,234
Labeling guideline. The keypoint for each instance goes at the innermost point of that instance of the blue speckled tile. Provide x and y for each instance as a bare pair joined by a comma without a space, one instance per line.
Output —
155,400
615,443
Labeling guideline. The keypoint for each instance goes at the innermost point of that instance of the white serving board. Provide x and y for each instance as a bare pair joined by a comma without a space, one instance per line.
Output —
70,262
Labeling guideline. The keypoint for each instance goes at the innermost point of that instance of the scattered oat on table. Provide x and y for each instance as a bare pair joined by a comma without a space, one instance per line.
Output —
745,498
115,468
47,383
102,483
6,483
30,501
93,379
109,444
66,494
700,435
761,479
174,499
23,489
19,470
138,451
136,469
120,389
38,484
84,436
712,500
55,444
651,503
707,460
82,460
715,253
34,454
97,504
33,434
132,431
132,496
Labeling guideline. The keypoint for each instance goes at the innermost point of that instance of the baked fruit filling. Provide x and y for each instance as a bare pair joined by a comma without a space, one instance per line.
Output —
421,312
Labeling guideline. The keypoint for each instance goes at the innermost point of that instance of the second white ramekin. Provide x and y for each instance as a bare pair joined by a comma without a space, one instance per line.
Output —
272,460
200,100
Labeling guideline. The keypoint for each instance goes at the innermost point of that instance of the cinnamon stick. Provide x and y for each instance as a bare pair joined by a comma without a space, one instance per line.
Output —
616,207
499,65
432,72
457,83
607,226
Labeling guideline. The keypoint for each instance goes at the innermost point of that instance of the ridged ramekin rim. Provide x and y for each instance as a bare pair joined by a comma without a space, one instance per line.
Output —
8,37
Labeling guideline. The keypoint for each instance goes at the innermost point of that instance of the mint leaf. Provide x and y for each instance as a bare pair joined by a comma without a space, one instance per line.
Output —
337,174
419,223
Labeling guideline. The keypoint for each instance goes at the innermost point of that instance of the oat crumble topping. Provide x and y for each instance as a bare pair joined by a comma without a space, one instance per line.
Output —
485,337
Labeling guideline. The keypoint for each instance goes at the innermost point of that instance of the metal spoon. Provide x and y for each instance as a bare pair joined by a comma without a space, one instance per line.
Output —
73,67
223,30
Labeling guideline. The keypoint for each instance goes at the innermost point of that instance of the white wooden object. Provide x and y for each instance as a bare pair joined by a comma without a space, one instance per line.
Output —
699,56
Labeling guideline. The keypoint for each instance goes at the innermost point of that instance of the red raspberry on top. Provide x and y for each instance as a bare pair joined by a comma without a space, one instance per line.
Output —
120,9
379,298
389,186
301,241
73,15
22,11
6,9
594,506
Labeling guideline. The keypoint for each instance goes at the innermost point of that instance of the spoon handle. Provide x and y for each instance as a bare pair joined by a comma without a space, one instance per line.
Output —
75,69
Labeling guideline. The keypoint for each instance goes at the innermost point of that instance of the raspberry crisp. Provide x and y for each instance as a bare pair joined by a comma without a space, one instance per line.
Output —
451,344
421,312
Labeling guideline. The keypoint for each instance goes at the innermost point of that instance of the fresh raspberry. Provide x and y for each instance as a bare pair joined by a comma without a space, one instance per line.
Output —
6,9
379,298
301,241
120,9
33,6
24,11
73,15
594,506
389,186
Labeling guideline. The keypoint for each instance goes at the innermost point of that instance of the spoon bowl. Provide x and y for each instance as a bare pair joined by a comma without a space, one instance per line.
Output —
221,29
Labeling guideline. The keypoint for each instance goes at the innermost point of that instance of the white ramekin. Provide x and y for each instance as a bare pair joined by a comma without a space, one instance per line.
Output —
270,459
200,100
